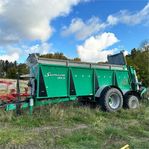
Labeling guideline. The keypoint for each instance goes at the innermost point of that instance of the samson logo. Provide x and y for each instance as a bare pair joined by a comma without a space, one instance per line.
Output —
59,76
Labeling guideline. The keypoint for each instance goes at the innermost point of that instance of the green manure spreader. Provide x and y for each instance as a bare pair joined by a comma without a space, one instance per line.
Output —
112,86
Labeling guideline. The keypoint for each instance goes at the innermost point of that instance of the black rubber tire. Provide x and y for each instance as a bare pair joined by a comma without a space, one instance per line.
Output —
131,102
105,99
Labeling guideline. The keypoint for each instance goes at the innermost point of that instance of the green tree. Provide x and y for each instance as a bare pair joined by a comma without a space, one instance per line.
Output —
23,69
12,73
77,59
55,56
139,59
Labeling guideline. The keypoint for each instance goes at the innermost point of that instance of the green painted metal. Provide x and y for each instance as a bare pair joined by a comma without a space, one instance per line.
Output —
62,83
143,92
55,79
38,103
123,80
133,78
83,81
105,77
12,106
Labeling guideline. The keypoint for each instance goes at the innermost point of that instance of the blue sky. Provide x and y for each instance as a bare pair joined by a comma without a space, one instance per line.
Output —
89,29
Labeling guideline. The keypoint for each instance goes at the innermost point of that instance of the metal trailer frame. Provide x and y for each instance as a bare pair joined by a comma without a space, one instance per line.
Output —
101,76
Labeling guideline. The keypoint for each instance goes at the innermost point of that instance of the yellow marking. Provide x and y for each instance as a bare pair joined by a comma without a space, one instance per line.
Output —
125,147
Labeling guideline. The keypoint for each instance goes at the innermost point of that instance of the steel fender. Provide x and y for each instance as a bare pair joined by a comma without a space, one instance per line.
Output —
99,91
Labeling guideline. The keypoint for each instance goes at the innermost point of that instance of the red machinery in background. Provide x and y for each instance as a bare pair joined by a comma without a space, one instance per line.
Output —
12,95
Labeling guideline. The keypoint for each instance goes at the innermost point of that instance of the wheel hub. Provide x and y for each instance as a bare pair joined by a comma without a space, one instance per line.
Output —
114,101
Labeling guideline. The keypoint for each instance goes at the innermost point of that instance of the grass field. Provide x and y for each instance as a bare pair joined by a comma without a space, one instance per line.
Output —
75,127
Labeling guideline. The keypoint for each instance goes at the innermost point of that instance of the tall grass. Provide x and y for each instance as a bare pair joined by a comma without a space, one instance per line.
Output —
64,126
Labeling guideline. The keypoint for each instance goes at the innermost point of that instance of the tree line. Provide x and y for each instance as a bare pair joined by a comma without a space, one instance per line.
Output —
10,69
139,59
60,55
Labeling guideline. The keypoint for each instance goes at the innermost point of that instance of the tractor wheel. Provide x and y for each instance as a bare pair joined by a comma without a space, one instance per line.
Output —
112,100
131,102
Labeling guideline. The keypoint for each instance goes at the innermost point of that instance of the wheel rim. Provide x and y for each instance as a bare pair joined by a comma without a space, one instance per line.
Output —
114,101
134,104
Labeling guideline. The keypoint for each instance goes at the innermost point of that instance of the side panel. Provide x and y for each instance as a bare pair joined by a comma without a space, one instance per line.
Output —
117,78
62,81
55,79
83,81
123,81
105,77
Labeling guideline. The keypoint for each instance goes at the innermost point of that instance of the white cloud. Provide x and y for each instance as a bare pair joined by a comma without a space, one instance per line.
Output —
1,6
129,18
126,53
94,48
11,58
43,48
83,29
112,20
29,20
11,53
23,19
